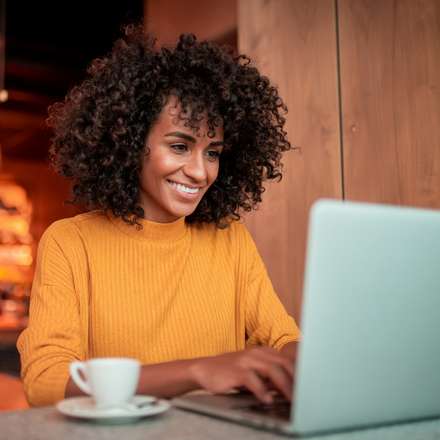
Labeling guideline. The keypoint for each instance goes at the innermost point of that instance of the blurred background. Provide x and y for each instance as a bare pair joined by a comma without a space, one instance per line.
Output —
46,47
361,79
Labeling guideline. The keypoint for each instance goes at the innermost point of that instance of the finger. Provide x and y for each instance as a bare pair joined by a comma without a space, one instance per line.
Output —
282,380
256,385
244,390
278,376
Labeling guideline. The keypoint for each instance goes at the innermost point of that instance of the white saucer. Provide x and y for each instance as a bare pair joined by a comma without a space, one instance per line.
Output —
84,408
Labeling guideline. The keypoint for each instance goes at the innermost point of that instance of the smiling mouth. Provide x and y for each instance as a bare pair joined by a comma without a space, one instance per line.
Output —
183,188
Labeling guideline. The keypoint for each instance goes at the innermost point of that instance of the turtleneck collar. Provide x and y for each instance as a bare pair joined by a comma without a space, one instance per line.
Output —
152,231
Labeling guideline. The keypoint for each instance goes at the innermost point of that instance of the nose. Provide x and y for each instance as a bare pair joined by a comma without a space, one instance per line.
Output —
195,168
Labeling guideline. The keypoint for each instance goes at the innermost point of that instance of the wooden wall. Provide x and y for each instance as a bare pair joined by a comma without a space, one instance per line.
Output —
211,20
294,43
390,84
362,81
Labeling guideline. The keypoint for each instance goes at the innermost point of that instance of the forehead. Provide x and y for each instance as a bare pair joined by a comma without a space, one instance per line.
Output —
173,117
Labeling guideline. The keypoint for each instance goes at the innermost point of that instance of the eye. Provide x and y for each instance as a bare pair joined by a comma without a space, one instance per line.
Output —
179,148
213,155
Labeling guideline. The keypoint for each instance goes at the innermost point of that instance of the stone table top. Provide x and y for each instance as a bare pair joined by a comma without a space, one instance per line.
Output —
47,424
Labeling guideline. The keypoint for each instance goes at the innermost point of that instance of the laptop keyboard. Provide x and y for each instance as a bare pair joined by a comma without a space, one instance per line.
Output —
280,408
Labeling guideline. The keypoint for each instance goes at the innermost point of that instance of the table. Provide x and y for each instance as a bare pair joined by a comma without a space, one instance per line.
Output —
47,424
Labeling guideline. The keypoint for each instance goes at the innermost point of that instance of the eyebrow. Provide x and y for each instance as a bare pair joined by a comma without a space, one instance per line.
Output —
189,138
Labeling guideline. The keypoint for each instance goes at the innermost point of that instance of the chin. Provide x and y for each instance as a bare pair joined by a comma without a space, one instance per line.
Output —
184,212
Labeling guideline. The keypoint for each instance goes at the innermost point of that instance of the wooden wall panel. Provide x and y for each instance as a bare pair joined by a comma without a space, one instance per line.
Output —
390,76
294,43
212,20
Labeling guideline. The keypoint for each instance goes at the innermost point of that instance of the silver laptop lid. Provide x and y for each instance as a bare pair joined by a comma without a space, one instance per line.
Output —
371,317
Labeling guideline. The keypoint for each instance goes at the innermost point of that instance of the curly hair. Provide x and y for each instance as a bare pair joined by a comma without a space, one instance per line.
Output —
101,127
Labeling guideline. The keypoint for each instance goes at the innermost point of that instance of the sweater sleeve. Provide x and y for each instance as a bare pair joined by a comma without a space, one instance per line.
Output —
266,319
52,339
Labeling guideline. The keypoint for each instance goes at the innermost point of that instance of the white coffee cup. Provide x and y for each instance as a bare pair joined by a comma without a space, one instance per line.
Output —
110,381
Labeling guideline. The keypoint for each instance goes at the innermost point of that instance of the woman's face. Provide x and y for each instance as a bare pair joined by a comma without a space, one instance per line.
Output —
179,168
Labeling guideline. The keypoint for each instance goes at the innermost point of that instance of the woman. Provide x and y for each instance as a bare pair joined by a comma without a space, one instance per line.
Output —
165,147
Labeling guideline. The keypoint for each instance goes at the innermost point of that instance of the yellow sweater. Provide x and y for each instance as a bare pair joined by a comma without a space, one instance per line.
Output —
166,292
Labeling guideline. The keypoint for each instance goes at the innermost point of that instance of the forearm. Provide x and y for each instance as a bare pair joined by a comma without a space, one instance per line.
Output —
164,380
168,379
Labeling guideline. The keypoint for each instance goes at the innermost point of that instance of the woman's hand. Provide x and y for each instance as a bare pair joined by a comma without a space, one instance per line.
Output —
256,369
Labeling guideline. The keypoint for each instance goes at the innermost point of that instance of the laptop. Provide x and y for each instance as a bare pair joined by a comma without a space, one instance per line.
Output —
370,349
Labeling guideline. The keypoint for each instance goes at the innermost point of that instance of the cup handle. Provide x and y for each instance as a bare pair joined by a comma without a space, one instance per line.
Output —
75,367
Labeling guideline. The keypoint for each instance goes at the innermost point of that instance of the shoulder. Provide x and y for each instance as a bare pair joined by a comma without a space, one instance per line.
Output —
65,240
72,229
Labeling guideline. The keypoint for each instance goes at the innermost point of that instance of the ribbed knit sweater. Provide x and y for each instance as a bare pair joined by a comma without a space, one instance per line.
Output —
165,292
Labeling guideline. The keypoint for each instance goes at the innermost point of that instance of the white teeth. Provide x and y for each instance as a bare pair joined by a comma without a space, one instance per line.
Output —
184,188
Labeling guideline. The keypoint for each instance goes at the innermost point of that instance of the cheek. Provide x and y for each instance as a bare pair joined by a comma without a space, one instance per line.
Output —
158,166
168,164
213,172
